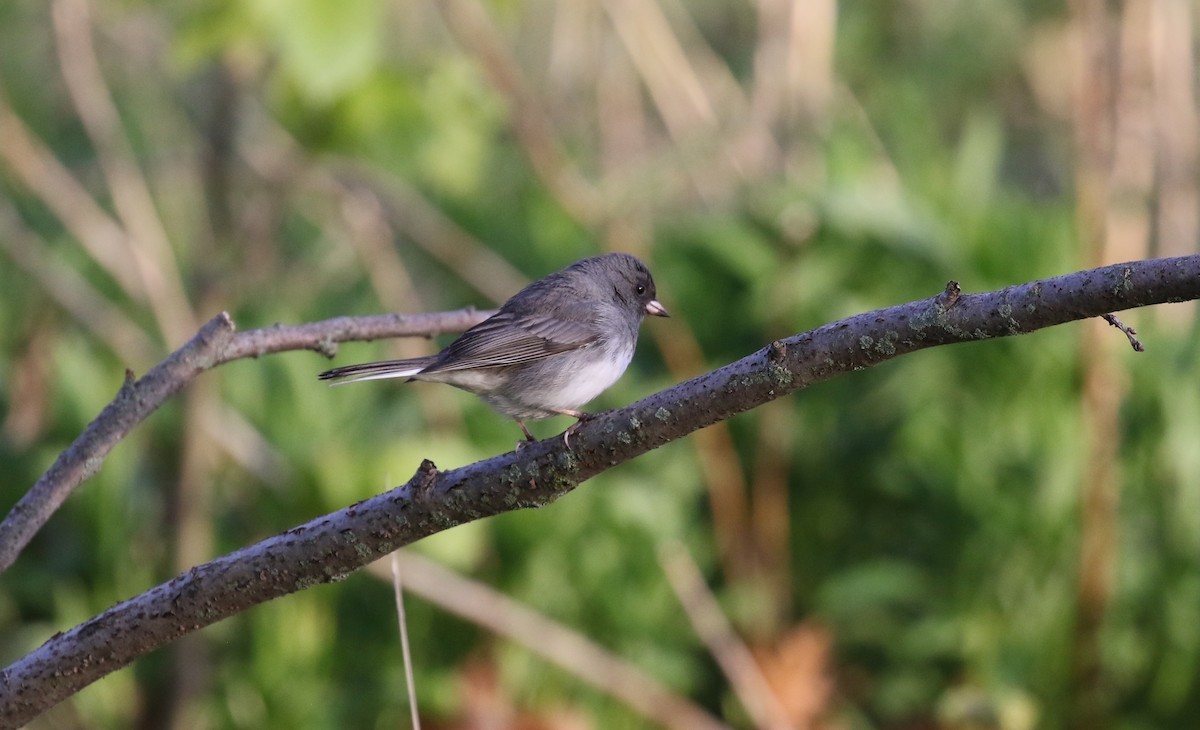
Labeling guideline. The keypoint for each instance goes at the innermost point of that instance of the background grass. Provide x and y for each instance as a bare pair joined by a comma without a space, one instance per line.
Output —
1003,534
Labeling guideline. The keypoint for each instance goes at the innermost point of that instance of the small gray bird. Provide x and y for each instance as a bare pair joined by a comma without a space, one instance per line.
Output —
555,345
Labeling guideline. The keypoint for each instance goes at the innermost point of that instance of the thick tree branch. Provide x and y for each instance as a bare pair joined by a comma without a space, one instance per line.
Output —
215,344
330,547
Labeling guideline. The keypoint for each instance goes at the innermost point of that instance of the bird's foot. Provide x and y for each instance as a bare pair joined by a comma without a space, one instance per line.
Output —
581,416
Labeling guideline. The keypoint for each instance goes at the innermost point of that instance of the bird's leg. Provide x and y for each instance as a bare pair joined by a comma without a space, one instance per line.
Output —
528,436
522,444
524,430
580,417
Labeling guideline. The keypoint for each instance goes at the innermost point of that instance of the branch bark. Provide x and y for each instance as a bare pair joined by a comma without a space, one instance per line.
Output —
215,344
330,547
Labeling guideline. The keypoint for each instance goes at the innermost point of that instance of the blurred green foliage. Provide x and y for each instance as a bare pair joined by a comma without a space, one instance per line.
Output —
932,522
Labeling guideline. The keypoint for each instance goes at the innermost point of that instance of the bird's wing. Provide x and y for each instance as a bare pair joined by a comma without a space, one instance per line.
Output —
513,338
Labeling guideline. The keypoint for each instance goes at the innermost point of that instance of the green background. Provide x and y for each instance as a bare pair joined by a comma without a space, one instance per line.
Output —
997,535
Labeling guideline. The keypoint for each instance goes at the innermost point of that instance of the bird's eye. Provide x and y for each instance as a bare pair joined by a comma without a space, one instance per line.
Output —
641,290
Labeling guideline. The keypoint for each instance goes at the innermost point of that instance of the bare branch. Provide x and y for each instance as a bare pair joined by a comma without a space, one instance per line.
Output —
134,401
533,126
71,291
714,629
552,641
36,167
1130,333
277,157
324,336
331,546
215,344
149,248
402,619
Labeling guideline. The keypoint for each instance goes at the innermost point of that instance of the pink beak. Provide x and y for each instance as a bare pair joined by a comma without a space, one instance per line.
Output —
655,308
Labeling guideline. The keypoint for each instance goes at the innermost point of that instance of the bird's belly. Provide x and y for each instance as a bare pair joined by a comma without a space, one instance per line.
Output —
573,389
565,381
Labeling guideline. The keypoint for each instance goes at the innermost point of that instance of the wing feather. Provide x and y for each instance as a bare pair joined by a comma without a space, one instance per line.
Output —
513,338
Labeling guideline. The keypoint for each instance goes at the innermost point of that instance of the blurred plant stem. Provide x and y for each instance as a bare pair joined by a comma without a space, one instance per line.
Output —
330,547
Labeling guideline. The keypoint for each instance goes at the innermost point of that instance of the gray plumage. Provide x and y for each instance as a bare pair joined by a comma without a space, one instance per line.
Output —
552,347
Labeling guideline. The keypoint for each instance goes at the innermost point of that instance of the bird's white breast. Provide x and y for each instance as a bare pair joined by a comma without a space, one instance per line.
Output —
592,374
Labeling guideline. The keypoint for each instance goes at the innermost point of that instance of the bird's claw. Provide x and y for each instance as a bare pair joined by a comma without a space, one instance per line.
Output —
575,427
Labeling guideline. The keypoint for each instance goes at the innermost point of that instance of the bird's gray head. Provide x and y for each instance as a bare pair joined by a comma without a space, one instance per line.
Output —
624,278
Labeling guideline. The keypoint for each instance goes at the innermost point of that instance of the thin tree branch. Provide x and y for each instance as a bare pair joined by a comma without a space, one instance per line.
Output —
134,401
277,157
149,247
472,27
215,344
717,633
1130,332
410,684
36,167
330,547
324,336
556,643
72,292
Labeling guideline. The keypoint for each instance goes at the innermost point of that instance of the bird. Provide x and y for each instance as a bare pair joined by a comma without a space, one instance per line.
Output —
551,348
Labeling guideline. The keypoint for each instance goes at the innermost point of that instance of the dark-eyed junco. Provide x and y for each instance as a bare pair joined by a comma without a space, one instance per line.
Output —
555,345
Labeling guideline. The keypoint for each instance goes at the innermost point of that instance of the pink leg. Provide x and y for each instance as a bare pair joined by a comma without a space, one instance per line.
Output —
580,417
528,436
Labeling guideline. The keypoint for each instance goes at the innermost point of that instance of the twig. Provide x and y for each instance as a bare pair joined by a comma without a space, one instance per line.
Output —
73,292
149,248
215,344
533,126
324,336
1177,119
331,546
723,643
135,400
246,445
410,683
38,170
1129,331
277,156
437,234
554,642
693,89
949,297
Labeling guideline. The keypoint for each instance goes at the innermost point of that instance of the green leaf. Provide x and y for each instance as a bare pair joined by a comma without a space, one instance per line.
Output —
325,47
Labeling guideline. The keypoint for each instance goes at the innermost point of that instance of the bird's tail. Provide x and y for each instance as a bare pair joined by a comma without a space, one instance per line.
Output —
376,370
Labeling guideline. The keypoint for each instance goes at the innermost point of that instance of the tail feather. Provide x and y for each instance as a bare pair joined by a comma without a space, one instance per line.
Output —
376,370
